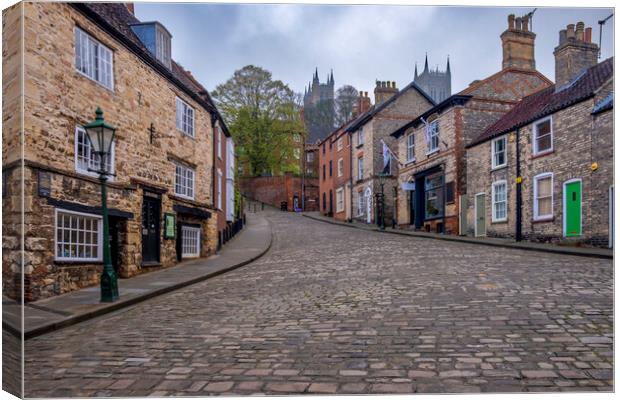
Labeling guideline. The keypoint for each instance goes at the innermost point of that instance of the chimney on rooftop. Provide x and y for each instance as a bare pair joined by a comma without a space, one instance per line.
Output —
518,44
384,90
363,103
574,53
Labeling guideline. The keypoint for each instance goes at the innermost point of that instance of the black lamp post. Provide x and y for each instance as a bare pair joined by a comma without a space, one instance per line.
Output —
101,136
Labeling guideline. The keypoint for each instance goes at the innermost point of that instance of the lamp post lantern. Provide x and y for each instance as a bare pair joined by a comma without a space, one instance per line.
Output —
101,136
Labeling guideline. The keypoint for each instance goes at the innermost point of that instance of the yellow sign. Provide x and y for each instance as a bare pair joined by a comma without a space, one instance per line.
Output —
519,179
594,166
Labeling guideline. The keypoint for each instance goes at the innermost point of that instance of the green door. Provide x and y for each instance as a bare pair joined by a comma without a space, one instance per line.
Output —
572,205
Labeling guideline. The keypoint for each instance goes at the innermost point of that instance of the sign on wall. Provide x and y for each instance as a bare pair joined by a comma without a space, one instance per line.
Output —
169,226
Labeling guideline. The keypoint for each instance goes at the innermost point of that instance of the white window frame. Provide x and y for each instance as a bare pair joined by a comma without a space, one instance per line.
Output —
310,156
360,137
360,203
340,203
99,236
410,146
219,141
163,45
360,168
78,167
104,58
537,178
535,149
183,121
340,167
219,189
186,187
339,144
493,153
494,203
432,137
184,230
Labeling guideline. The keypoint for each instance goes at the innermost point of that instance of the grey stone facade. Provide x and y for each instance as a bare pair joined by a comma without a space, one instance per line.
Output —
436,83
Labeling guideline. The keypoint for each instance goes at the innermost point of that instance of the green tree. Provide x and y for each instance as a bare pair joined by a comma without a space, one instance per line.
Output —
263,116
346,100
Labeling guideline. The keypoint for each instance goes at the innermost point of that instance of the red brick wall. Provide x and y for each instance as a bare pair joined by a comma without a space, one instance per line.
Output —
275,189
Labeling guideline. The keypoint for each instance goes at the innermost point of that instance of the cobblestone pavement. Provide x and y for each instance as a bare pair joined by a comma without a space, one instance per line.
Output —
336,310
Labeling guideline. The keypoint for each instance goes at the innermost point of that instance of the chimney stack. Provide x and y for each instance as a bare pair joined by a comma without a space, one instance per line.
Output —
363,103
384,90
575,52
518,44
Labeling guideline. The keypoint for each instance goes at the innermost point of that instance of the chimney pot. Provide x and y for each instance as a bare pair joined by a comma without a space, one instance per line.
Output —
518,23
570,31
511,21
562,36
588,36
579,31
525,23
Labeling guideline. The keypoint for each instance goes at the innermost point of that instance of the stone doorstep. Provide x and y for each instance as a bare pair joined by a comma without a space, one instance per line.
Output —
101,309
565,250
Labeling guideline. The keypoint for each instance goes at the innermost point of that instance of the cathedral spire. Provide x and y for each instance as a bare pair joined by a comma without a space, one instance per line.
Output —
426,62
415,74
331,77
448,66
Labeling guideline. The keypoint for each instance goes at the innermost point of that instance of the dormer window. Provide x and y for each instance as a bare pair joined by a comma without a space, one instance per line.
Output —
156,39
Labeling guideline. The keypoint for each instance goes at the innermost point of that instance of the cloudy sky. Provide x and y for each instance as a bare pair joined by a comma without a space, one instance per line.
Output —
360,43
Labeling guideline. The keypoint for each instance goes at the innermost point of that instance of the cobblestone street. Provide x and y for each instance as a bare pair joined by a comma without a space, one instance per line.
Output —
331,309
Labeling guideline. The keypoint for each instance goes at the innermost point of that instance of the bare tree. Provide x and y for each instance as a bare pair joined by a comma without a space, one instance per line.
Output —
346,99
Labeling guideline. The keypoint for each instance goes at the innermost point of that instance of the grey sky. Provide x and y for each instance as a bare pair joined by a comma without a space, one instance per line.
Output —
360,43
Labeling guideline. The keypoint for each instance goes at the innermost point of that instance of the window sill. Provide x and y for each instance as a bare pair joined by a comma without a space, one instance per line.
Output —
182,196
499,167
409,162
542,154
111,90
542,220
187,134
78,262
430,153
500,221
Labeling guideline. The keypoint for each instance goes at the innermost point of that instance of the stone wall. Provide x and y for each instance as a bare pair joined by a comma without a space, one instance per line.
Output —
57,99
273,190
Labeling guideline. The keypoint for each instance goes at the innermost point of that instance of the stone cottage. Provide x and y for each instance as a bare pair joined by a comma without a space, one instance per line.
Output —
77,57
368,132
544,171
432,178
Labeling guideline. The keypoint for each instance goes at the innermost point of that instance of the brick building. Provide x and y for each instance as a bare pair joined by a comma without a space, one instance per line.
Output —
368,132
77,57
544,171
223,181
335,176
431,148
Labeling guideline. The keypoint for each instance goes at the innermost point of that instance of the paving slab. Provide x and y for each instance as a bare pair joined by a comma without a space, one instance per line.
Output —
60,311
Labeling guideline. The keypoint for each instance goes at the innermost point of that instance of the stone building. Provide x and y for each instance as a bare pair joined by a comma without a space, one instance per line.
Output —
77,57
432,180
224,182
544,171
319,107
438,84
369,131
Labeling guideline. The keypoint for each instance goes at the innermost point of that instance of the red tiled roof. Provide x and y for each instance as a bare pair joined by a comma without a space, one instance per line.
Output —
548,101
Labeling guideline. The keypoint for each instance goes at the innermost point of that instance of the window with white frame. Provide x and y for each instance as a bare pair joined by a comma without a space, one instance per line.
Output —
93,59
360,137
185,117
219,141
339,200
498,152
543,196
340,167
219,188
339,144
360,203
310,156
410,147
360,168
162,51
78,236
543,136
499,201
86,159
190,243
184,181
433,136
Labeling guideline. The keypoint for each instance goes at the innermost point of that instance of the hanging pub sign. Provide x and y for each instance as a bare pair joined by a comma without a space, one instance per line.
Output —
169,226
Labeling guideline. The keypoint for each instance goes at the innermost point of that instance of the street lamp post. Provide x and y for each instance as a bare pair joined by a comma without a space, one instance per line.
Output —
101,136
381,202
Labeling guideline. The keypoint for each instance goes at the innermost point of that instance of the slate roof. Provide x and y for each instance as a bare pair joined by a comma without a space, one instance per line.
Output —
605,104
548,101
116,19
454,100
373,110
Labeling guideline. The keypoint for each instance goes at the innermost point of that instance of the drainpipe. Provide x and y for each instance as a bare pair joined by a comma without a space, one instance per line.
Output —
519,179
